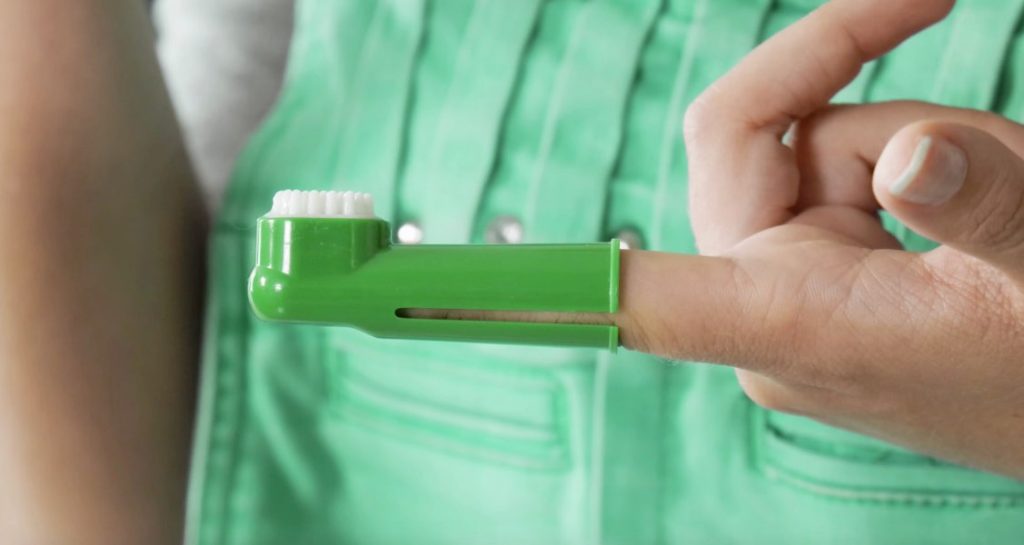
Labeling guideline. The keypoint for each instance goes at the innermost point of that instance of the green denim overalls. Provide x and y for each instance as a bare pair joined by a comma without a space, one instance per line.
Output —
542,121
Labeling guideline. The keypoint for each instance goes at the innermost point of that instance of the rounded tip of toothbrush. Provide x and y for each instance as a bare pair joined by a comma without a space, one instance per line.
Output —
294,203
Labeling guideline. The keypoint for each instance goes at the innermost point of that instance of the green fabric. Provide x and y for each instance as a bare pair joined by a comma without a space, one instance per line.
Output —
565,114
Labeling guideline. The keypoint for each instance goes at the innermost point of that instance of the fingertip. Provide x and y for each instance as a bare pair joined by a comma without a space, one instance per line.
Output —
958,185
920,166
883,24
925,12
936,9
894,160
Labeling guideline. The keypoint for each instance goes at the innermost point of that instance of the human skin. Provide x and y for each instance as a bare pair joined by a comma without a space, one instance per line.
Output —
798,287
99,287
801,289
816,306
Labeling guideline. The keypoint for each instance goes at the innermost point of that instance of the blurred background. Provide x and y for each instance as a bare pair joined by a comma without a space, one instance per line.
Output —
224,62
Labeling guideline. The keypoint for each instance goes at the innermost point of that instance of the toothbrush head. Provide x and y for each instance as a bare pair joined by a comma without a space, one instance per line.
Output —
326,231
321,204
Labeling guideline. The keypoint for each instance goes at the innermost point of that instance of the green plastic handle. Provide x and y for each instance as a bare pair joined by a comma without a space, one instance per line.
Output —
345,271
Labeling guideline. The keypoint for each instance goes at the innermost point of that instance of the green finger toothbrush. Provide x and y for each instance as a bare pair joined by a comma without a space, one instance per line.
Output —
323,258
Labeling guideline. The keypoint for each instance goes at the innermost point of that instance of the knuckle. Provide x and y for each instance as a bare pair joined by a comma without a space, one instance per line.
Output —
700,118
766,393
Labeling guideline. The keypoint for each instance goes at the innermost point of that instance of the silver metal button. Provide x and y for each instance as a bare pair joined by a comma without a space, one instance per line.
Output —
630,239
504,230
410,232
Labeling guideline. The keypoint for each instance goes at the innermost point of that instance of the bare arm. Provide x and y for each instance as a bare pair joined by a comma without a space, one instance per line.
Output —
101,240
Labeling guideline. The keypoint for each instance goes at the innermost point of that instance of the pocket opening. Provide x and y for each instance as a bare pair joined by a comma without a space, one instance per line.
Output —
797,452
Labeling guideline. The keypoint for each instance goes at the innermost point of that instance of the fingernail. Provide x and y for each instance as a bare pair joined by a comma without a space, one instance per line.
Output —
936,172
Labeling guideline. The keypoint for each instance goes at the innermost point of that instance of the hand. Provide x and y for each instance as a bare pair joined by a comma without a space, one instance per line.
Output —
816,305
803,291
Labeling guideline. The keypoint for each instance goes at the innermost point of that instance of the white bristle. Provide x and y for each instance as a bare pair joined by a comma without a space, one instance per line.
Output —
280,202
365,203
296,202
350,204
316,203
331,205
321,204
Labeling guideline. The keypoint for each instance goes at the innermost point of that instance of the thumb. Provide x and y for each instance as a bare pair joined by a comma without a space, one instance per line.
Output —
957,185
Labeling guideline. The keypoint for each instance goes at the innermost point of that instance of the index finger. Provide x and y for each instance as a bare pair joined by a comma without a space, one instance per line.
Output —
797,71
742,178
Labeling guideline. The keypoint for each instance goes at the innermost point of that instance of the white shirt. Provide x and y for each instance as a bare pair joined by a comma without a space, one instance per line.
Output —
224,62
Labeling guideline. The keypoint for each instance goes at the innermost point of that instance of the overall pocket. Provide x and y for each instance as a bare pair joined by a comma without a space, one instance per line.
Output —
461,443
501,412
842,465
